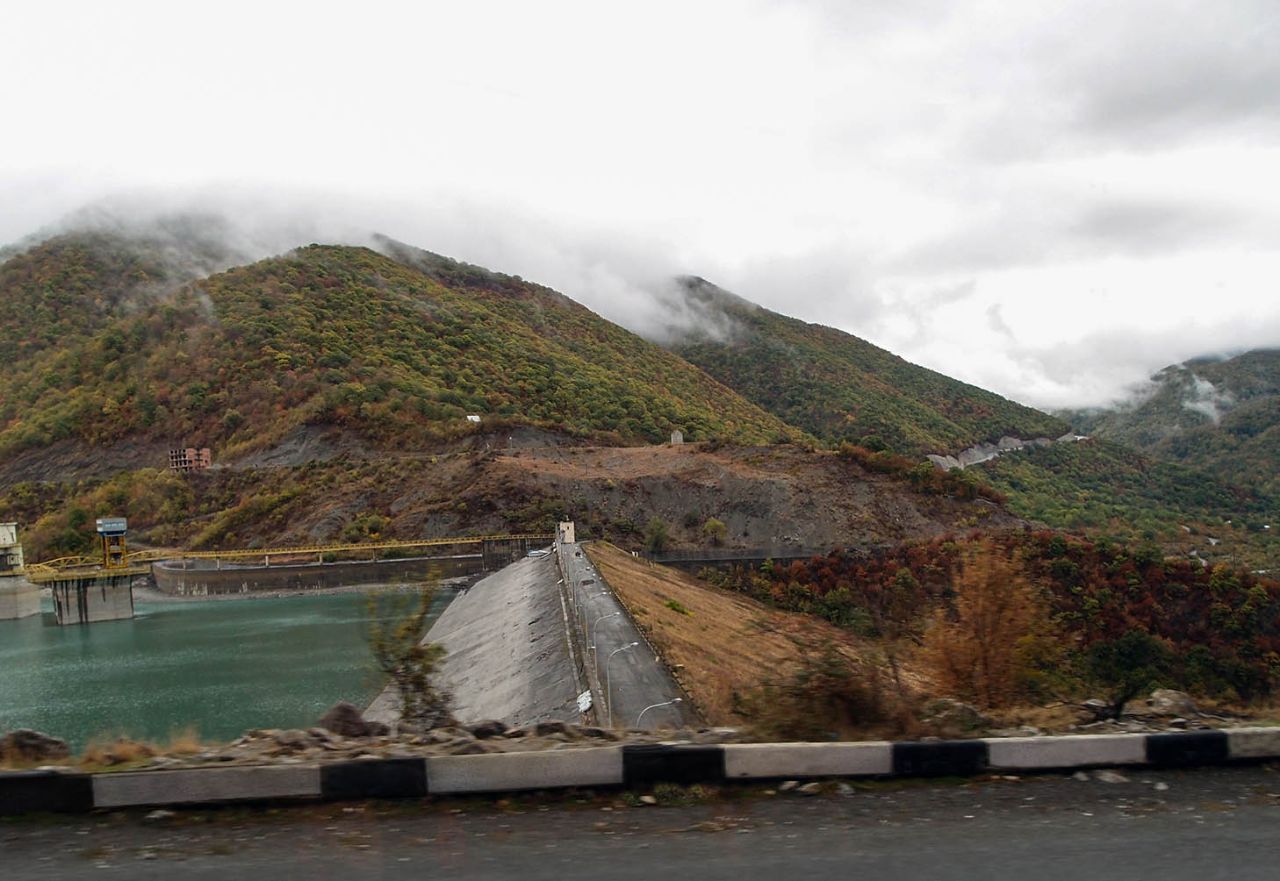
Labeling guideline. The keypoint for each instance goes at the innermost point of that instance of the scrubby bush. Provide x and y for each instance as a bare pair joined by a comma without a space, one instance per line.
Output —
825,695
397,633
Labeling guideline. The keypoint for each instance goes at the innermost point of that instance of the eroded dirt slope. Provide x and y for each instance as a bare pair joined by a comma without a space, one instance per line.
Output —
770,496
721,645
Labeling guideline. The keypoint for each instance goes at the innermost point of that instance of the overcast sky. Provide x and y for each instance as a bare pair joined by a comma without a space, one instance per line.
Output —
1048,199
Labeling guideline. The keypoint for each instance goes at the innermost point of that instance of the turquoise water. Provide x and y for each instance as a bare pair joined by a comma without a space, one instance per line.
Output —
222,667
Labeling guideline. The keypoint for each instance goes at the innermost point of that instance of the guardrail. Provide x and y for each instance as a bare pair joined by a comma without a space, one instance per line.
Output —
151,555
634,766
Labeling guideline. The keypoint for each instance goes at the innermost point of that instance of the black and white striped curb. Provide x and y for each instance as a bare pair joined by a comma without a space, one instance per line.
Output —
623,766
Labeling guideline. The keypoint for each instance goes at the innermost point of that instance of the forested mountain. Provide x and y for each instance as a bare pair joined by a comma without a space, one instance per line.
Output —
843,389
839,387
104,342
1219,415
118,346
1102,488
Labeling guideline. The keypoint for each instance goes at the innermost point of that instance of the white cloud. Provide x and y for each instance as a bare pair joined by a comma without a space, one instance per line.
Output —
1049,200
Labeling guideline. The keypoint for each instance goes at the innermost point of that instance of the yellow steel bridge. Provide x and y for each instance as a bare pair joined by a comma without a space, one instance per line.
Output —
138,562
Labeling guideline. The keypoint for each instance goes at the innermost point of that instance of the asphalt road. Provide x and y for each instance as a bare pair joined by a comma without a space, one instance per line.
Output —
1209,824
626,669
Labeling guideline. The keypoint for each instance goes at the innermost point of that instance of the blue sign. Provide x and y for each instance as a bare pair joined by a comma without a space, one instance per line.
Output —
112,525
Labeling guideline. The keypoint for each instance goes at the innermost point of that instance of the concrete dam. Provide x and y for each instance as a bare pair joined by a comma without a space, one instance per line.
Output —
545,639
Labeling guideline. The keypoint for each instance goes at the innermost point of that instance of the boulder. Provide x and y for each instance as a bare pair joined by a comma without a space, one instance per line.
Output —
293,740
23,744
1167,702
1105,775
951,713
542,729
489,728
345,719
1096,709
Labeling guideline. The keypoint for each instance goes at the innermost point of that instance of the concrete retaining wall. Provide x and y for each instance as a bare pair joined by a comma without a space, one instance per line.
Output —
632,766
19,598
186,578
92,599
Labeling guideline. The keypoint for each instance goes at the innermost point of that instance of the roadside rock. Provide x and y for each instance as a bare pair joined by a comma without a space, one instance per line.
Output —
292,740
542,729
345,719
1106,776
1167,702
489,728
1096,709
952,713
23,744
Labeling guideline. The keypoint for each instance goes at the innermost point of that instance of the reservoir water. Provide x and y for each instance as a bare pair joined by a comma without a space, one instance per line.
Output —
220,666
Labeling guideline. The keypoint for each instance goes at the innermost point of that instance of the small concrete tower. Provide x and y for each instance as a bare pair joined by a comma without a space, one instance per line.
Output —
564,532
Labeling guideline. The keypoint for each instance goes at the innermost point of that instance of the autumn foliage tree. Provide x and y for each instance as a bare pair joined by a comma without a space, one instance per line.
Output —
979,647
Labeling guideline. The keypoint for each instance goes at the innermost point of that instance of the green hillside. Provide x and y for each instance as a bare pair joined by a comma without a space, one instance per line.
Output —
1219,415
839,387
1100,486
326,336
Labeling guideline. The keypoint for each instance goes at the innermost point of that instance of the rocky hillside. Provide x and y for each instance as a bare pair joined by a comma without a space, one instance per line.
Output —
839,387
770,496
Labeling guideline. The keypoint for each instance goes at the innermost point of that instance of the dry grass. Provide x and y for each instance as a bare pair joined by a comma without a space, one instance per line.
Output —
1059,717
123,752
718,643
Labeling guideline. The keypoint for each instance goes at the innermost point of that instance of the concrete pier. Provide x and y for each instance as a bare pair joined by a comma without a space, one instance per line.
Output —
90,598
19,598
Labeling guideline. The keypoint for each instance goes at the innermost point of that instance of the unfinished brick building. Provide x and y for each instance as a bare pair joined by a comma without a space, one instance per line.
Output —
190,459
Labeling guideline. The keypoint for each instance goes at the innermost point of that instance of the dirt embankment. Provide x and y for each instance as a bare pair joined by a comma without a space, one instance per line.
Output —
765,496
720,645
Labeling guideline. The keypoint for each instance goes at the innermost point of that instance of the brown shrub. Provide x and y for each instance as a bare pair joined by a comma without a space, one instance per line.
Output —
828,695
982,648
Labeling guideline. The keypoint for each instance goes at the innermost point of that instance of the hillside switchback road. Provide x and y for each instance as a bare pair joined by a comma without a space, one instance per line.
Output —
1201,825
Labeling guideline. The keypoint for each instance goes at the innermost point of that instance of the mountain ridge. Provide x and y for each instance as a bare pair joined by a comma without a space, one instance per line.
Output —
841,388
1218,414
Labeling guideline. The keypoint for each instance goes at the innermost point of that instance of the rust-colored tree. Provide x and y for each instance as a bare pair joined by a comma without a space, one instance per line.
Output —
979,648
